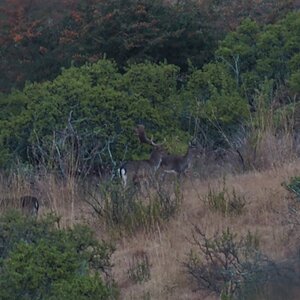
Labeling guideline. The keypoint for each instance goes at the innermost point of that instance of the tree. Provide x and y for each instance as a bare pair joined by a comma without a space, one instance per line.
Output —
256,53
29,38
227,15
215,104
38,40
98,106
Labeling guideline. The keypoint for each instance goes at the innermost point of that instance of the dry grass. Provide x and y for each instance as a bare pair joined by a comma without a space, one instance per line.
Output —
266,201
265,149
55,196
167,246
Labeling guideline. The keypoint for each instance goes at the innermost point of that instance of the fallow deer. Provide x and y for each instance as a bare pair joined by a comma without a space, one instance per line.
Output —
178,164
141,170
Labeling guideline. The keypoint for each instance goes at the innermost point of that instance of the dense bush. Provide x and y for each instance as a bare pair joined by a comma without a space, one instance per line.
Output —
255,67
255,54
215,104
39,261
99,103
92,109
153,30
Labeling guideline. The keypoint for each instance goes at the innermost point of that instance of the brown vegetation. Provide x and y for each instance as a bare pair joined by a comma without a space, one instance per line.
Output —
155,256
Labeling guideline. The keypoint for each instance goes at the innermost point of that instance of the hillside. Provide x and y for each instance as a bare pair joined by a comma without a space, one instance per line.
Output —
149,149
167,244
265,212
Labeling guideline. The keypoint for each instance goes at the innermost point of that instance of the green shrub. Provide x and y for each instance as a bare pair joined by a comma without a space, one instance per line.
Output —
101,105
255,53
97,107
227,265
215,104
293,186
39,261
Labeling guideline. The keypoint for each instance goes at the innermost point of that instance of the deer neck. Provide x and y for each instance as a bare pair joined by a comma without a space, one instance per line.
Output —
155,160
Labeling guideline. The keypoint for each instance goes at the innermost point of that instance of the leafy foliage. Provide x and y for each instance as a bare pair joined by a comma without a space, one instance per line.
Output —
39,261
38,39
255,54
228,14
215,105
100,104
293,186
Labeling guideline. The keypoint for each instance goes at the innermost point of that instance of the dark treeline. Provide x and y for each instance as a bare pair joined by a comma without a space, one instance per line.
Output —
133,62
37,39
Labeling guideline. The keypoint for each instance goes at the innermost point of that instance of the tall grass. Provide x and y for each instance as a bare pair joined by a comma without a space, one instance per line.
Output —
130,210
270,137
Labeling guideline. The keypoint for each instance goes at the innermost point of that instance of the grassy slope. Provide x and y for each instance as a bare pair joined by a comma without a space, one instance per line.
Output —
266,204
167,247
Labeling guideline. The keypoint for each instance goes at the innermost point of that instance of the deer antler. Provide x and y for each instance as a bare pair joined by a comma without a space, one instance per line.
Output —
140,132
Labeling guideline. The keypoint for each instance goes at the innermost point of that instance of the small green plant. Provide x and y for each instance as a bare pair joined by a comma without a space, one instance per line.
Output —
293,186
139,267
225,201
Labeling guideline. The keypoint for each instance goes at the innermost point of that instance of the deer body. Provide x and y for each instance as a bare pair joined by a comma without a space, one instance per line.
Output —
138,170
178,164
143,169
30,205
